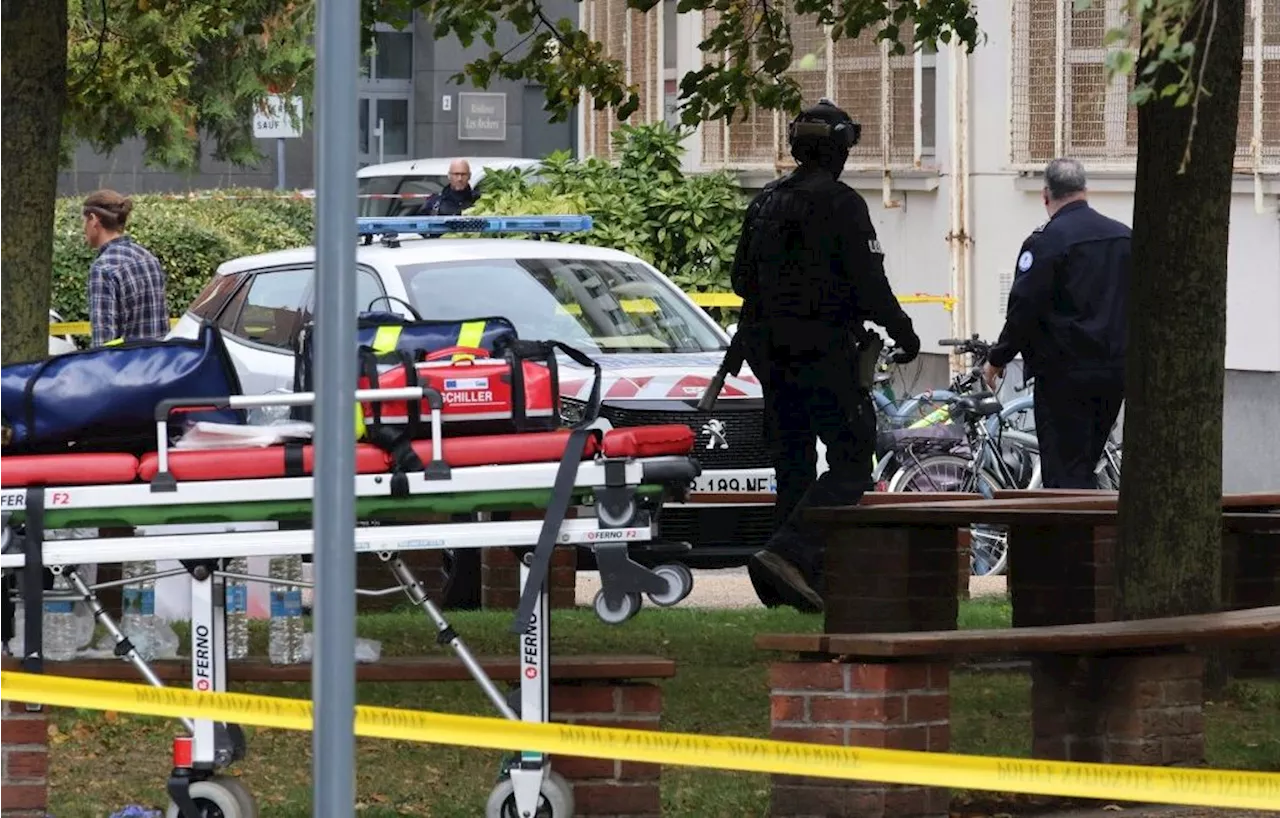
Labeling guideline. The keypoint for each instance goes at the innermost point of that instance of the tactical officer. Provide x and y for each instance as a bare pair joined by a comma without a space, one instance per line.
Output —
810,271
1067,315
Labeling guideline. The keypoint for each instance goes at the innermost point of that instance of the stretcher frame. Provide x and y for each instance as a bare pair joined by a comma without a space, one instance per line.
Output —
623,514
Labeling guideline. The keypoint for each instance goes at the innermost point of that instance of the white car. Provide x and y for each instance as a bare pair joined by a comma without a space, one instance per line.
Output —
657,348
58,344
399,188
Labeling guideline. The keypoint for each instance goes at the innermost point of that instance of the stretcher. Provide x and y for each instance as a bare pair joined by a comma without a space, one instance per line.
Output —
596,487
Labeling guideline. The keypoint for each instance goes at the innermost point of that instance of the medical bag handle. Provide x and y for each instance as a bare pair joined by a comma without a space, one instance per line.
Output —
417,316
447,351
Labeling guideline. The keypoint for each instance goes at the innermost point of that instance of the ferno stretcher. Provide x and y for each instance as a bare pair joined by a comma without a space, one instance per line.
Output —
614,481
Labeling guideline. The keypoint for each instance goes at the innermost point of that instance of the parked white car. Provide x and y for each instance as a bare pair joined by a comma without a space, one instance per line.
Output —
59,344
657,348
420,178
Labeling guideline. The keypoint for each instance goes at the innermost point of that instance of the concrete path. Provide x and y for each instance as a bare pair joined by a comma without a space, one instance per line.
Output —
731,588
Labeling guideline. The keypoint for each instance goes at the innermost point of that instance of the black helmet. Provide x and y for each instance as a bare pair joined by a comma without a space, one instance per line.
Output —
824,122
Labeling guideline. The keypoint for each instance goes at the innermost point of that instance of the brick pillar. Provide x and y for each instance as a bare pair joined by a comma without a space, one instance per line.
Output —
889,578
602,786
903,706
500,578
1119,709
1061,574
24,781
1251,579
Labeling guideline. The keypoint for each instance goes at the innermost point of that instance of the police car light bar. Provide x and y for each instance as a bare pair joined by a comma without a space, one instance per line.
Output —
439,225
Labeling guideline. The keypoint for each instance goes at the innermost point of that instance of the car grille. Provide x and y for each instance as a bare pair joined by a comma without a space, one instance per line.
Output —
738,527
743,431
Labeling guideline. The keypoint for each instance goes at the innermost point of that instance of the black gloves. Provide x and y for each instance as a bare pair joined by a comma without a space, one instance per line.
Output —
908,347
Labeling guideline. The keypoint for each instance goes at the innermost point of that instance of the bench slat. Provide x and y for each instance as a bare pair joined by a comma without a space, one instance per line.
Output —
1254,623
392,669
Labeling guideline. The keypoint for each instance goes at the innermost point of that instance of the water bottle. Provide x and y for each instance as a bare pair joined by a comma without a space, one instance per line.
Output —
237,610
139,615
61,631
285,643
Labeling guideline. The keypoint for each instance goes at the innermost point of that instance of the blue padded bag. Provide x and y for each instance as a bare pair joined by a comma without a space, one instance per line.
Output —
104,399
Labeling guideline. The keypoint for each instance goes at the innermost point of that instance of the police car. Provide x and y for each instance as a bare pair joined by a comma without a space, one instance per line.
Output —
658,350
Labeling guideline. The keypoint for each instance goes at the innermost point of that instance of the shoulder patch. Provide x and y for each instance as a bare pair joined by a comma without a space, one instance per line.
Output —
874,246
1025,261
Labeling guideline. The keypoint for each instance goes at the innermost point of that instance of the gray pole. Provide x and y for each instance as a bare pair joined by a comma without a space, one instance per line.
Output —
279,164
333,676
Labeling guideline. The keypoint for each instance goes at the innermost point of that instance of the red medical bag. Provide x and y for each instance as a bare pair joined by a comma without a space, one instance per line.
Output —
482,394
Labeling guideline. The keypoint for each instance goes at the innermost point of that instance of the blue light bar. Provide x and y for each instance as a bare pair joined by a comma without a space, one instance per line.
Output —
439,225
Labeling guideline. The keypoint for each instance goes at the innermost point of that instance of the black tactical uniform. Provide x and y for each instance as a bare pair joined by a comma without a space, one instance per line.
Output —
1067,316
810,271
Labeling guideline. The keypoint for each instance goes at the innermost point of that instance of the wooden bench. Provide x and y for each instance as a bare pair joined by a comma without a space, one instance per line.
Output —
608,691
887,558
1115,692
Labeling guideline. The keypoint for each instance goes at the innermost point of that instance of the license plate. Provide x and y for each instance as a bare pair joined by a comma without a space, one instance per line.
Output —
735,484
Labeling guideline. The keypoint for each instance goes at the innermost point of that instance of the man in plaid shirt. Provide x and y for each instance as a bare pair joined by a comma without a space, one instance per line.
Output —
126,282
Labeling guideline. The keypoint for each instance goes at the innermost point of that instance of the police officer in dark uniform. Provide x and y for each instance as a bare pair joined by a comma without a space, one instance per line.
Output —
810,271
1067,315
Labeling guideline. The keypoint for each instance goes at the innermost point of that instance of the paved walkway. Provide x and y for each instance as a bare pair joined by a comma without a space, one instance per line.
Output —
731,588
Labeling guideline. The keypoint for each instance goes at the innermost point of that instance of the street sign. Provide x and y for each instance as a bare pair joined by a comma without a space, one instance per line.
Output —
271,121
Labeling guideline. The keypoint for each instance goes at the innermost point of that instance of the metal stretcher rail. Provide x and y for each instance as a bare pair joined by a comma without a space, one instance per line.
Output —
618,498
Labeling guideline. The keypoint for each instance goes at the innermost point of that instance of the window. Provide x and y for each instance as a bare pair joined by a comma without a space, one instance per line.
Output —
1065,105
269,308
853,74
368,291
638,40
390,57
215,296
598,306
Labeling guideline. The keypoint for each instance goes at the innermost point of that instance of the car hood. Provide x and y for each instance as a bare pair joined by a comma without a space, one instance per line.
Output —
660,377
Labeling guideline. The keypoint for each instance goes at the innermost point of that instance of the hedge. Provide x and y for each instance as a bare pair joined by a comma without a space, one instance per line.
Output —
685,225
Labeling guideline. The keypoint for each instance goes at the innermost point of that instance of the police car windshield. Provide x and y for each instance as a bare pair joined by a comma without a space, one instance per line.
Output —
418,187
598,306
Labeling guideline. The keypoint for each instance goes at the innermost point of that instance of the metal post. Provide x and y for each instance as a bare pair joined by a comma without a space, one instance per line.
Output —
279,164
333,683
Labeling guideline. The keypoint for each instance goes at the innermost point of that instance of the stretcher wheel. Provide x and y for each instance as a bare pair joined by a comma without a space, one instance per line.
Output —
219,798
556,800
616,616
679,584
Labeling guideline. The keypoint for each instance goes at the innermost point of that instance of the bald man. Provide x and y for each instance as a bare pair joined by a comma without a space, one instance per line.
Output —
457,195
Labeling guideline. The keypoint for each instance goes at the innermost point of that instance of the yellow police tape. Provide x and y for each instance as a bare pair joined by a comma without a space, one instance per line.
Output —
1211,788
704,300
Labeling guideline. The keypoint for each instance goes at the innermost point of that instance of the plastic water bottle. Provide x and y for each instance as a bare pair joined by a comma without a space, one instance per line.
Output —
237,610
285,644
150,636
61,630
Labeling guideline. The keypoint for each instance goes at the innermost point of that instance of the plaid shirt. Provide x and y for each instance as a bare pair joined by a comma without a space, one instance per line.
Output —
126,293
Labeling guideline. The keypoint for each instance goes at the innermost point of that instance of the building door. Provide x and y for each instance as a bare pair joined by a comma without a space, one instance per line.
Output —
385,107
386,128
540,135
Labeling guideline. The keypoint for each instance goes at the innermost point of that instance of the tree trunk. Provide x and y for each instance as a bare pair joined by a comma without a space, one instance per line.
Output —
34,94
1170,551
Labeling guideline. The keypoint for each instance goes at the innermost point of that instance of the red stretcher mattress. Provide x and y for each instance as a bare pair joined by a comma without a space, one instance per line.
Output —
260,463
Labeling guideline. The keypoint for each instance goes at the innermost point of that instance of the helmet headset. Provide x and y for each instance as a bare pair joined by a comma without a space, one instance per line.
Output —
818,125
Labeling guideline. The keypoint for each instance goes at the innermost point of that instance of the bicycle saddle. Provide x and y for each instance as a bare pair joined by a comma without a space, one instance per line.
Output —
979,404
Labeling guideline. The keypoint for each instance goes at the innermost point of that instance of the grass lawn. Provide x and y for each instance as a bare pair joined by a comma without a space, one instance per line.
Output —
101,762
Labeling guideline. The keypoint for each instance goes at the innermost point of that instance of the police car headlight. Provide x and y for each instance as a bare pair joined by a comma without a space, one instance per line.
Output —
572,411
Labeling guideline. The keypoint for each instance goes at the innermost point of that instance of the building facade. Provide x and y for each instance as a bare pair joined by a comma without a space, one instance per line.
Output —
952,151
407,109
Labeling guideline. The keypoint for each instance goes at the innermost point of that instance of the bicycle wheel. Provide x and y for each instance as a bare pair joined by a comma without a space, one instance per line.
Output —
988,545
